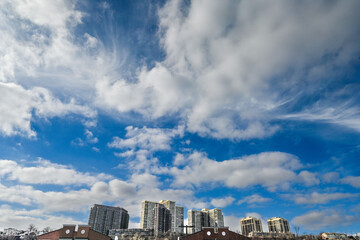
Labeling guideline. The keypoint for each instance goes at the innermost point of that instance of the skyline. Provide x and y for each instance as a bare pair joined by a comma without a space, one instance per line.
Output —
247,106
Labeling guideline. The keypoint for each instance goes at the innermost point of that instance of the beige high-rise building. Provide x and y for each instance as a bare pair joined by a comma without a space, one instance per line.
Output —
250,224
278,225
205,218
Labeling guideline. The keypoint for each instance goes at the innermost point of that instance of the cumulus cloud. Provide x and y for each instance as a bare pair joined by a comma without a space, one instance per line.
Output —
21,218
140,143
150,139
255,198
319,198
89,139
267,169
308,178
331,177
40,58
222,202
220,79
24,189
316,220
18,106
352,180
45,172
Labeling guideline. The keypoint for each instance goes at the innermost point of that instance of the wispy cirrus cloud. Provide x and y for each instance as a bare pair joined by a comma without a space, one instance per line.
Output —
232,89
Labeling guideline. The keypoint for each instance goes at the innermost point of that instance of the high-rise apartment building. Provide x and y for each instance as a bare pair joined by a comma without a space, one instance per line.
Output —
250,224
103,218
147,214
198,219
205,218
162,219
278,225
179,219
176,214
216,217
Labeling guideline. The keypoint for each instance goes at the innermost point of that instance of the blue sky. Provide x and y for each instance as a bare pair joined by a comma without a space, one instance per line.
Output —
248,106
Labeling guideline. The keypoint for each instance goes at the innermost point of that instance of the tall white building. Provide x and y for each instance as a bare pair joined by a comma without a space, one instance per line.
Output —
216,217
147,214
250,224
205,218
278,225
179,218
103,218
176,214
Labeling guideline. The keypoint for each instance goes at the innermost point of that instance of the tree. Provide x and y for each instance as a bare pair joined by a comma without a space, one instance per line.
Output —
32,228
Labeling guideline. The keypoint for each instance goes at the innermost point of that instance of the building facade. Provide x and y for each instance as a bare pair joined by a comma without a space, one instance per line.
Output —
103,218
333,236
205,218
162,219
130,232
250,224
177,215
147,218
278,225
216,217
179,219
68,233
147,214
214,233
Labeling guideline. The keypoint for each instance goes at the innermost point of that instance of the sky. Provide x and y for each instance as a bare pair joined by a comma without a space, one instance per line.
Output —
249,106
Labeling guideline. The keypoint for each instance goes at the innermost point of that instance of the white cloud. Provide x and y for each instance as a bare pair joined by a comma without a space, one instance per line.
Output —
233,223
150,139
89,138
21,218
18,104
255,198
45,172
222,202
352,180
22,188
330,177
308,178
141,143
316,220
231,80
319,198
268,169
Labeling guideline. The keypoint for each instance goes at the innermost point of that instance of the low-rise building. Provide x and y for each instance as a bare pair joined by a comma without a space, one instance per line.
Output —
271,235
333,236
68,232
116,234
209,233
